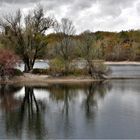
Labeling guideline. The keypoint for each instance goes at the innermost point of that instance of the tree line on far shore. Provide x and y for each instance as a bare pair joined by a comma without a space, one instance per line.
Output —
25,36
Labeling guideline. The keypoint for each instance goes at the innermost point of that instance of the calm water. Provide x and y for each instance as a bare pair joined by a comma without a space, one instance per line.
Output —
125,71
93,110
42,64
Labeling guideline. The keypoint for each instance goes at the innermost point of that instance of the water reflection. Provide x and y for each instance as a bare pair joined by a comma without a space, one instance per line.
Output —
22,116
55,110
91,100
7,100
67,94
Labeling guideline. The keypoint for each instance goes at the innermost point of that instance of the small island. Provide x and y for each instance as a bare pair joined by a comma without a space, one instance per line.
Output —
70,56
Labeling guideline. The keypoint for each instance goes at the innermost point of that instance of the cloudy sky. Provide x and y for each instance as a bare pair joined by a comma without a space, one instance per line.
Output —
94,15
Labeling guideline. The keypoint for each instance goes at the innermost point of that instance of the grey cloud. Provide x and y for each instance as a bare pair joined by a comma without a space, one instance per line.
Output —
122,3
82,4
17,1
138,8
80,11
114,7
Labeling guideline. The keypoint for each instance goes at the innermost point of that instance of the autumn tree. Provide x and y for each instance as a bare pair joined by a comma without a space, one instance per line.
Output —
134,51
8,60
26,34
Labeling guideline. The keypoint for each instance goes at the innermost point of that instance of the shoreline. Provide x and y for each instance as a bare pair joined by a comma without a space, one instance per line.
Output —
33,79
28,78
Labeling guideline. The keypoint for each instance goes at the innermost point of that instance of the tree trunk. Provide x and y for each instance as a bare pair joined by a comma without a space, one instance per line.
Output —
28,66
2,75
90,68
66,67
26,69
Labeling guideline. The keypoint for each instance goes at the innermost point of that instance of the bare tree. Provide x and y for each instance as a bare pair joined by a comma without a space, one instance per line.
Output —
65,46
66,27
89,50
27,34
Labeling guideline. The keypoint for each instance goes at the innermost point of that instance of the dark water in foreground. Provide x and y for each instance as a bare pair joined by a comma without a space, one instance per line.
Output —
94,110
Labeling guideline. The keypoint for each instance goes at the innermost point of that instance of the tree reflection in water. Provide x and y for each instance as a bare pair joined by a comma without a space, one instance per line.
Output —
94,92
66,93
27,115
63,93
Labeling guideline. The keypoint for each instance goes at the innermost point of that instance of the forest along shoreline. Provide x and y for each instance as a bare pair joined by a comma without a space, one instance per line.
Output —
29,78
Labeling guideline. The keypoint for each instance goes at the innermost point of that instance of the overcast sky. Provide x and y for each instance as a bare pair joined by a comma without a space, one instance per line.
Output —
94,15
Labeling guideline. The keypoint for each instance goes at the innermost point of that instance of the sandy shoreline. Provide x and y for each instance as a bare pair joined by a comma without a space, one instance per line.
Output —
44,79
122,63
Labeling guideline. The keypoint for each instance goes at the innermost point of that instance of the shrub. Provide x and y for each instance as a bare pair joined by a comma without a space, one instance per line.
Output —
8,61
78,72
57,67
40,71
12,72
16,72
99,70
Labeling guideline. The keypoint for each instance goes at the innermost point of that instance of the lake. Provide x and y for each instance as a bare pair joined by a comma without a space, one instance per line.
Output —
109,109
124,71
